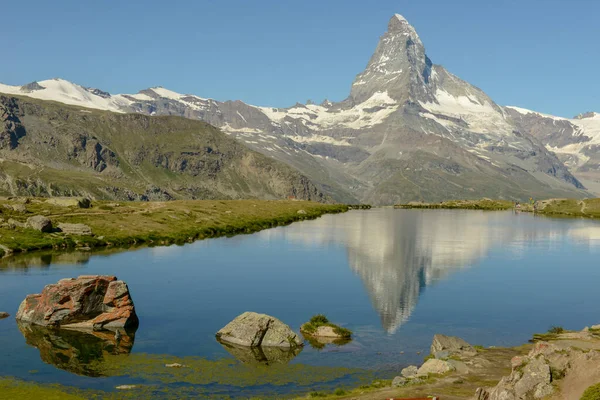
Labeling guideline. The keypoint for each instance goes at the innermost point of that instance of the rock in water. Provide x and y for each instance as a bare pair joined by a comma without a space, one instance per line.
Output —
39,223
4,315
88,302
254,330
451,344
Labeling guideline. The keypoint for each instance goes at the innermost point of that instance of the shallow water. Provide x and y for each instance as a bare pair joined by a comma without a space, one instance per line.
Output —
394,277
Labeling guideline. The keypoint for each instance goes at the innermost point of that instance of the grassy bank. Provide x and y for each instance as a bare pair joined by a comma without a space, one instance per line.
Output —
588,208
151,223
483,204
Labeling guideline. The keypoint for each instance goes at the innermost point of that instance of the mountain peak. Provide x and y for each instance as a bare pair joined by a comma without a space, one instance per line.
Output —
399,66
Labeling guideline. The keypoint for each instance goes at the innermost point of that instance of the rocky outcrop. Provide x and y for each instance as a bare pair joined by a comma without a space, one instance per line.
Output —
39,223
450,345
258,330
532,375
75,229
409,371
91,302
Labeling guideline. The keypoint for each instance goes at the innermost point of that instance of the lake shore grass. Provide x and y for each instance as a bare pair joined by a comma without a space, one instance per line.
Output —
150,223
586,208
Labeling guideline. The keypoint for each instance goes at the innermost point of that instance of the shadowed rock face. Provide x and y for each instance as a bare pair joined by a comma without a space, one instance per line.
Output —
89,302
82,353
261,355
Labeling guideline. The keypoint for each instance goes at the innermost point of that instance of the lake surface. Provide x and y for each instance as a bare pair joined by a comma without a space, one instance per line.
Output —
394,277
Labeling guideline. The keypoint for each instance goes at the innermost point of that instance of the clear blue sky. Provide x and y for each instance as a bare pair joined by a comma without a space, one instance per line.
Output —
542,54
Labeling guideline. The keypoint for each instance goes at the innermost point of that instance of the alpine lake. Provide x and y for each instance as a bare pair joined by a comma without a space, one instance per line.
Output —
393,277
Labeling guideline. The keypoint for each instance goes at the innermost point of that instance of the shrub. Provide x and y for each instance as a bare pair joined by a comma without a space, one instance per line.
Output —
339,392
591,393
556,330
321,320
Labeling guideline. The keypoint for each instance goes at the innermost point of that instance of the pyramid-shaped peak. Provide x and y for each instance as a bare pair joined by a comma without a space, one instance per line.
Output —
399,24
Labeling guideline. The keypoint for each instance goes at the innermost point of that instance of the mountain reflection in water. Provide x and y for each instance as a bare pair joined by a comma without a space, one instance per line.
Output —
398,253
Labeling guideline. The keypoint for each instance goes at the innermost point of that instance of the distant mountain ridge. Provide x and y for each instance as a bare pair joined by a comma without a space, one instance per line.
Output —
409,130
52,149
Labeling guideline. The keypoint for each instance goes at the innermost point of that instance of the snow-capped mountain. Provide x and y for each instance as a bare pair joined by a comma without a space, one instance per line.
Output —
409,130
576,141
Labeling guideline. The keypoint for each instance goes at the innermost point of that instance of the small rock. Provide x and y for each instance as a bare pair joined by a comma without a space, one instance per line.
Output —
20,208
75,229
80,202
301,212
228,212
409,371
435,366
16,223
174,365
126,387
399,381
4,315
595,327
39,223
452,344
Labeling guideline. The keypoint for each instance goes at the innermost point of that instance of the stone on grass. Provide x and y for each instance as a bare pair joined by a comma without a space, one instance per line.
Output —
39,223
399,381
253,330
409,371
80,202
89,302
301,212
435,366
75,229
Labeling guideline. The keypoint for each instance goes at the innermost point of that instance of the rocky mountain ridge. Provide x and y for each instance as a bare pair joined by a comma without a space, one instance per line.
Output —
409,130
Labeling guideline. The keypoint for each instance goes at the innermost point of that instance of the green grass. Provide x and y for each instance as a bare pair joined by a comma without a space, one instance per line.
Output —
320,320
483,204
591,393
154,223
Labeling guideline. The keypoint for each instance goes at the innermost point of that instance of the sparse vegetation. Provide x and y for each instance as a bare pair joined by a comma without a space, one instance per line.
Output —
557,330
319,320
591,393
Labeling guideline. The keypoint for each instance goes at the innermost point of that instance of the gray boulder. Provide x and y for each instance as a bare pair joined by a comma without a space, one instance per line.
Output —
79,202
14,223
4,315
75,229
409,371
39,223
254,330
399,381
435,366
450,344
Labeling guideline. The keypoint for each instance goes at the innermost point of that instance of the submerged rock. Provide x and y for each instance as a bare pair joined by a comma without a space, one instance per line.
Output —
92,302
255,330
4,315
